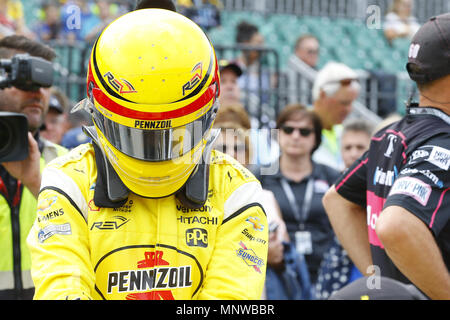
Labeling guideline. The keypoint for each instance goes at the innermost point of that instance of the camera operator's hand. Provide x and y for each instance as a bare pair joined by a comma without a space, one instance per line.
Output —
27,170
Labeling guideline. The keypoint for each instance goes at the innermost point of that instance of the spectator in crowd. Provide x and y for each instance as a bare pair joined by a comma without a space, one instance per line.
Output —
206,13
390,210
255,84
56,122
255,80
302,61
356,135
248,34
105,16
337,269
300,184
12,20
307,50
20,180
230,92
335,89
50,27
235,140
7,26
399,22
75,134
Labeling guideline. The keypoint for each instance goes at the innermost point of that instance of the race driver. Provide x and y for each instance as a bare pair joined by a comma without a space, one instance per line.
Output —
148,210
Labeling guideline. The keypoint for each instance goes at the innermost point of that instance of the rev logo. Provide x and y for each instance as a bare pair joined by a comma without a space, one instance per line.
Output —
197,70
111,224
197,237
118,85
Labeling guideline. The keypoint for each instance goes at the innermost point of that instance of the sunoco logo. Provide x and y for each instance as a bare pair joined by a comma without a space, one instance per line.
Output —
249,257
155,274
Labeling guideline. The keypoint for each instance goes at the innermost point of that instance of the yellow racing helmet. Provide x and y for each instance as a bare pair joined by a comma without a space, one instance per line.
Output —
152,89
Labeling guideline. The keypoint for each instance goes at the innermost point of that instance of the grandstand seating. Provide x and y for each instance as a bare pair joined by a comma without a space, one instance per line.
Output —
343,40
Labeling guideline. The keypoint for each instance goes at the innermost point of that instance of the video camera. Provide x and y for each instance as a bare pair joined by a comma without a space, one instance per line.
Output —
13,136
26,73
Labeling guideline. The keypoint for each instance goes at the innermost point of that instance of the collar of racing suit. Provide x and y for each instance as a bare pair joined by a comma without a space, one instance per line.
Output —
415,109
110,192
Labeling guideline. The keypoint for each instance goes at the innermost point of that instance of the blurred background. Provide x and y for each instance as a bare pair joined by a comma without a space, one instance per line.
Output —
354,32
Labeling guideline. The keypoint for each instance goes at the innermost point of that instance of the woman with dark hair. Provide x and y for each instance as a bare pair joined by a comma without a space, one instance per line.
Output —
300,184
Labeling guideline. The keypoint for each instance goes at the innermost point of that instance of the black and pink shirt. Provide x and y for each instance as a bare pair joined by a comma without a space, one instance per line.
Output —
407,165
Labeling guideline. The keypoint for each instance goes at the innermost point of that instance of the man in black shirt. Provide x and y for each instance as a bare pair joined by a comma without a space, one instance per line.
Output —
397,195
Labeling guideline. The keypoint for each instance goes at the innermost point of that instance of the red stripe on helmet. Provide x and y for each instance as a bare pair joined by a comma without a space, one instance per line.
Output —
111,105
118,109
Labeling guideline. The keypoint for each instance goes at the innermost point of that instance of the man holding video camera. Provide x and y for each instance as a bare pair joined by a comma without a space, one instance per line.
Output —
22,93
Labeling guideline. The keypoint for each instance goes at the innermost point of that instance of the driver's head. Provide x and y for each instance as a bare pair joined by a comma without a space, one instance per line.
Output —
152,86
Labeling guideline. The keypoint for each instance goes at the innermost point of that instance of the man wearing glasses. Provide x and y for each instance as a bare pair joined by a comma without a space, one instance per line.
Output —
335,88
307,50
303,61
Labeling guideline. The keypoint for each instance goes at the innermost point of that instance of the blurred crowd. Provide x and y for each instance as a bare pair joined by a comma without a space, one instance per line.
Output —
72,21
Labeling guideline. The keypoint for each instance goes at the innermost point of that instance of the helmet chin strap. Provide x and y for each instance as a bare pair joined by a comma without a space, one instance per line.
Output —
110,191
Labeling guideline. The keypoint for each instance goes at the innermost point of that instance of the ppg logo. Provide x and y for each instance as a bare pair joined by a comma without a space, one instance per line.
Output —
197,237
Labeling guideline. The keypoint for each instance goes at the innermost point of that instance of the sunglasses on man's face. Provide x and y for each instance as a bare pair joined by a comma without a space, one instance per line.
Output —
344,82
304,132
312,51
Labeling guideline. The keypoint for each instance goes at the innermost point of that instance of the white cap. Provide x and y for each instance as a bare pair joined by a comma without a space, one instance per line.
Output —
329,77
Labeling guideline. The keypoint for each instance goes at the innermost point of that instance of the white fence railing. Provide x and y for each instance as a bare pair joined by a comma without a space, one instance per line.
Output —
352,9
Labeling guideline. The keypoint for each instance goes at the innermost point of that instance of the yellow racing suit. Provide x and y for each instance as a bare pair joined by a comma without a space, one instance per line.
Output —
147,248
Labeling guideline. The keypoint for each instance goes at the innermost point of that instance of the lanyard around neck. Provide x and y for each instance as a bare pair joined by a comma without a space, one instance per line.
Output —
300,216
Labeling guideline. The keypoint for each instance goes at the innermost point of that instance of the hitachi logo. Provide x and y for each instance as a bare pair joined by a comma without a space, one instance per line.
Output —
201,220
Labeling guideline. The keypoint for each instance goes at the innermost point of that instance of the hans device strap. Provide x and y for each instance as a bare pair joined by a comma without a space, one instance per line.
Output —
192,195
110,192
195,191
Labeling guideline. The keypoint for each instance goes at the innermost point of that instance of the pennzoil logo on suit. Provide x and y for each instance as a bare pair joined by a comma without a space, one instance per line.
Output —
144,272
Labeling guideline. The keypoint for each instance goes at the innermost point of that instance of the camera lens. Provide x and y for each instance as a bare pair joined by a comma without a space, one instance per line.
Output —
5,137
